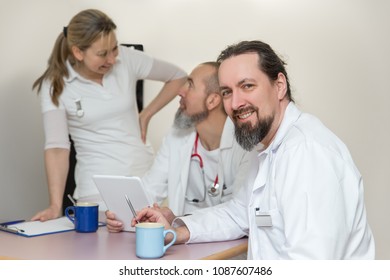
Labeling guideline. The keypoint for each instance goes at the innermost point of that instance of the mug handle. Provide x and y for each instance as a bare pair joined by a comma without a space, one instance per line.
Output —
71,218
173,240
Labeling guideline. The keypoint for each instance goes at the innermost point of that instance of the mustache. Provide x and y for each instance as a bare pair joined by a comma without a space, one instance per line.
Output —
249,108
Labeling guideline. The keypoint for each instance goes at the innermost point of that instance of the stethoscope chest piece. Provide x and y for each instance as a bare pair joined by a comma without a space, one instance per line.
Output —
214,189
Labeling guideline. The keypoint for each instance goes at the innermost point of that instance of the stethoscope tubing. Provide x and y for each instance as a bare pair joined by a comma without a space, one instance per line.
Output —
213,191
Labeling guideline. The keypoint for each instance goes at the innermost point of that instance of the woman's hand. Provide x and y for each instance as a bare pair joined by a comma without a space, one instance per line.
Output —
47,214
144,119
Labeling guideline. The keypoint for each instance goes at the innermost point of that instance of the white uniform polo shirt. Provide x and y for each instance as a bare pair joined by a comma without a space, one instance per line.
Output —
107,137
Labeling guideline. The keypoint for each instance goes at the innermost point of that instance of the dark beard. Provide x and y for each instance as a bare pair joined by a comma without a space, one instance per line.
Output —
248,137
183,121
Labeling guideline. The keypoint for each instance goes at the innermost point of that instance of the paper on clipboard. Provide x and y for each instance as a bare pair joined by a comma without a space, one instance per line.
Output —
36,228
113,190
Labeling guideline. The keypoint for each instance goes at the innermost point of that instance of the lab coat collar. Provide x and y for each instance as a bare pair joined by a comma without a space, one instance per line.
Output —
185,157
291,115
265,155
185,150
227,138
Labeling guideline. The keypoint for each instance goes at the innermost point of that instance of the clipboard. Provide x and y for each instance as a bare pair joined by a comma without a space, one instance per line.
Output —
114,190
37,228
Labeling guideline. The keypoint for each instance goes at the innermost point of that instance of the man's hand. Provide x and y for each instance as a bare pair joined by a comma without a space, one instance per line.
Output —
113,225
167,213
150,215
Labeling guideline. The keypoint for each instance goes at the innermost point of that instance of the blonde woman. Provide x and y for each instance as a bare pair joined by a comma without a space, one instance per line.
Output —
88,92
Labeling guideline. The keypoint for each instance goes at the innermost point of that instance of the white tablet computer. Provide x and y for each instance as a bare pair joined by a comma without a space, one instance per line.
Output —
113,190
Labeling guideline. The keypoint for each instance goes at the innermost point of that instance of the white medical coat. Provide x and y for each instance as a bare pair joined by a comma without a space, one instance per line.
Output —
308,184
168,176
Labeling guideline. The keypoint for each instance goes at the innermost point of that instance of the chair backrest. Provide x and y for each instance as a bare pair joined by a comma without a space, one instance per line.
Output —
70,182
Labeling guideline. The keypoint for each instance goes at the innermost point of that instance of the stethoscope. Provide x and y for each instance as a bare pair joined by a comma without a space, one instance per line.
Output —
213,189
79,109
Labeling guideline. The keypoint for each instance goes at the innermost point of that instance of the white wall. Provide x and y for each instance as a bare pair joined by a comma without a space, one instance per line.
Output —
337,55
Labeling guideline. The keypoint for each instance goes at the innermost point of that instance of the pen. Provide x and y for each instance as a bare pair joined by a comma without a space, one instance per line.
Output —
131,208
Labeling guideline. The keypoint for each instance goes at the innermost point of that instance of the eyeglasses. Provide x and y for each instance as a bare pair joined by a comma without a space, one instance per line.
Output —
196,159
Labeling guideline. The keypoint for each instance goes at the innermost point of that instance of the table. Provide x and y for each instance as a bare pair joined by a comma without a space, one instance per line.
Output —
103,245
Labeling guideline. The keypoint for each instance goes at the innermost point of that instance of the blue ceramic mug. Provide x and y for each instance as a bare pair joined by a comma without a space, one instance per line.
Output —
150,238
86,216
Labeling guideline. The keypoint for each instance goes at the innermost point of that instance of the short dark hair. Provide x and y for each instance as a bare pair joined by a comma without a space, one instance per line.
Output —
269,62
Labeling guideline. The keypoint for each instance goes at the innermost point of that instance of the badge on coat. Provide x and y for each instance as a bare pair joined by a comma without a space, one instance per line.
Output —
263,219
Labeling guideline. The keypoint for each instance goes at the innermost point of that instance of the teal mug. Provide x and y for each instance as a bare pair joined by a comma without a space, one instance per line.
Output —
150,240
85,216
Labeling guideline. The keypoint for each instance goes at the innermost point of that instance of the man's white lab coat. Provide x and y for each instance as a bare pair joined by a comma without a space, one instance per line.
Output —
306,184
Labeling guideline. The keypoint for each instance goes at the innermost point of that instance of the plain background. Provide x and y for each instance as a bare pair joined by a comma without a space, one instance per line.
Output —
337,54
